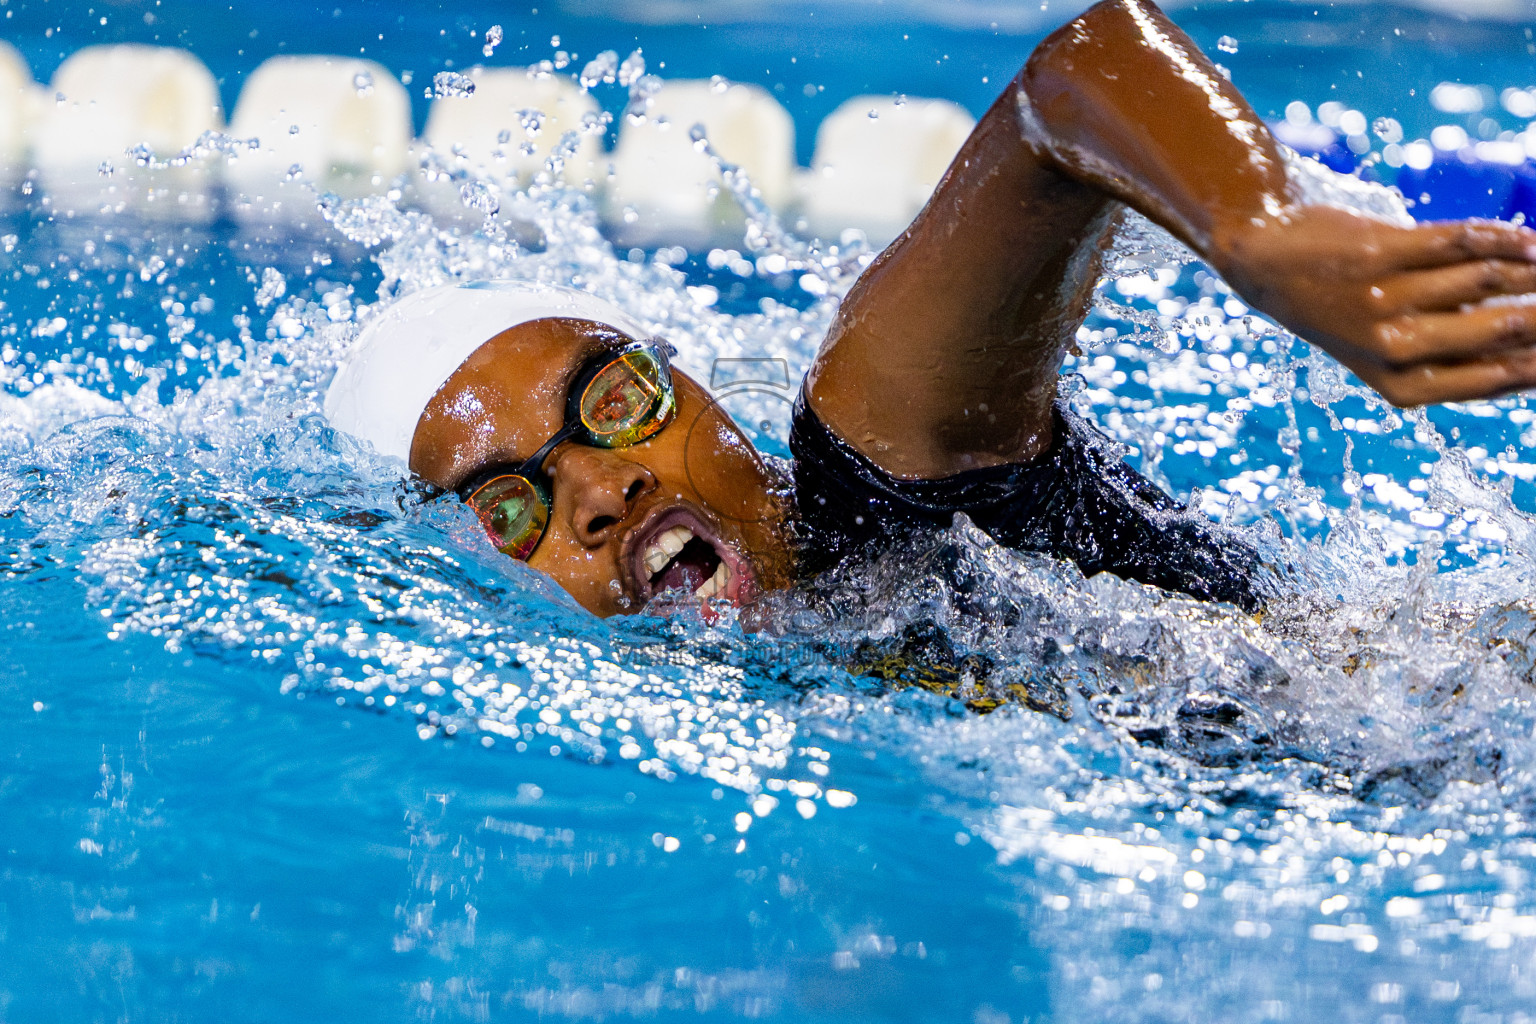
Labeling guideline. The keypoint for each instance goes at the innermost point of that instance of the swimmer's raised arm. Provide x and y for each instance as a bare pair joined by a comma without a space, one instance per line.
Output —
945,354
1185,148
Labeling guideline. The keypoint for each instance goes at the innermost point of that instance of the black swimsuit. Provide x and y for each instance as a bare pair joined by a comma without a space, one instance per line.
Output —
1076,501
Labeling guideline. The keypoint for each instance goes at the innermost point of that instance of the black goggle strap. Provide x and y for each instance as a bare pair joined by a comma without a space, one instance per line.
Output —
533,469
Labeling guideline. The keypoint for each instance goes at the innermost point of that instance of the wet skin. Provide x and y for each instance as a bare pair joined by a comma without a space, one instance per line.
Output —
699,471
945,354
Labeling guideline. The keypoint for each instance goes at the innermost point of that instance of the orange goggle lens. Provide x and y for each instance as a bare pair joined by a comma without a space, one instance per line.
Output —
629,400
513,513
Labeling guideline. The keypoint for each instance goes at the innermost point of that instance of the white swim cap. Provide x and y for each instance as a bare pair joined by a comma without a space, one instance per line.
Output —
407,352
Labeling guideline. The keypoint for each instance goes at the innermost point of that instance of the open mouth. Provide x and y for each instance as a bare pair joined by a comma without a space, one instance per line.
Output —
680,554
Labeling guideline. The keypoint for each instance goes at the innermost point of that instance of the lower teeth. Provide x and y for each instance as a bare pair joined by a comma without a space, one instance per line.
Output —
715,585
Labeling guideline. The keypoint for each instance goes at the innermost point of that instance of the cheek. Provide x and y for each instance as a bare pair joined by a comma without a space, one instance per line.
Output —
723,470
587,575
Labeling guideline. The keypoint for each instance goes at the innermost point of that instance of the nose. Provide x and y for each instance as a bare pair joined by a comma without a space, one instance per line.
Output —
601,489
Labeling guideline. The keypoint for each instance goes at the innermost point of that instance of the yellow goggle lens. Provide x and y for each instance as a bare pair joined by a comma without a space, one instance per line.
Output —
629,400
513,514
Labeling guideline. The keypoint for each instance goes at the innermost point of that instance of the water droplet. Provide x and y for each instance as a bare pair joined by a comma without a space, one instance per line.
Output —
493,37
106,169
273,287
1387,129
1226,44
296,171
641,92
631,70
363,83
451,83
477,195
602,68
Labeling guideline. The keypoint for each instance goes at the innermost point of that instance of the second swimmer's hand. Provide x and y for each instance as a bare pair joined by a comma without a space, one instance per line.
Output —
1438,312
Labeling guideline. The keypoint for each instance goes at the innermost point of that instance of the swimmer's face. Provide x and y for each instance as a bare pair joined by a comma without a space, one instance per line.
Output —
617,513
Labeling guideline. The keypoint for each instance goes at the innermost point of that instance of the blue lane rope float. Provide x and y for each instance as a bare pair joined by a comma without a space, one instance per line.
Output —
1454,186
1459,185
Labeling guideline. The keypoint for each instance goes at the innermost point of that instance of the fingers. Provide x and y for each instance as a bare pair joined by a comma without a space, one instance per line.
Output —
1440,244
1458,382
1449,288
1437,337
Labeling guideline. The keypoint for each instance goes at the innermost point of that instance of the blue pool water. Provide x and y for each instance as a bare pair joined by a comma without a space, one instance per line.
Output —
282,741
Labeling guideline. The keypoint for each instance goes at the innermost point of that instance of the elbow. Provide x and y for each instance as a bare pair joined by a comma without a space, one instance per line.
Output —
1096,30
1075,50
1087,65
1055,83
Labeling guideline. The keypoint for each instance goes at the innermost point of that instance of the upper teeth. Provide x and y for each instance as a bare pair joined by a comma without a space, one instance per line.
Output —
662,550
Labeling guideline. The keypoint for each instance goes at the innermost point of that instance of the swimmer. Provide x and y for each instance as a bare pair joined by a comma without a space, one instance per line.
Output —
561,423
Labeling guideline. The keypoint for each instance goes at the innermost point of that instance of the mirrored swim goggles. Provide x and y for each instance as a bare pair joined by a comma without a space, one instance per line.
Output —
620,397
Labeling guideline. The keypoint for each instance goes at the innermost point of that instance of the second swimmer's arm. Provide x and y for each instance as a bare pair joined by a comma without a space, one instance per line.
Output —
945,354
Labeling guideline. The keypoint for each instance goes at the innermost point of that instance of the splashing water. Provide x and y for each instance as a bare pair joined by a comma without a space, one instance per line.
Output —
451,83
604,68
493,36
1344,781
